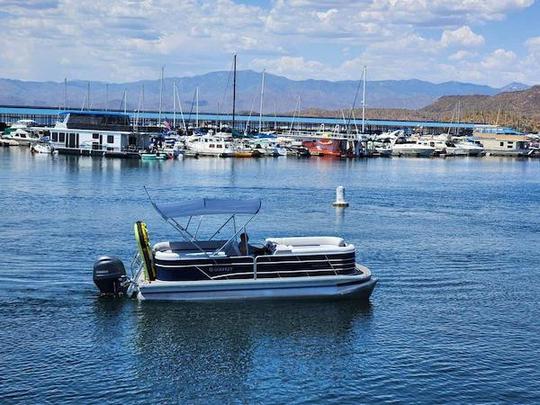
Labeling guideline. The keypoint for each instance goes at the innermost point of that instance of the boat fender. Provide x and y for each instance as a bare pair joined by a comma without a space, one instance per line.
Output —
145,251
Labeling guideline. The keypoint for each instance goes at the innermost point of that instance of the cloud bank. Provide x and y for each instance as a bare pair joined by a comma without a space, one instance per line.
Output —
120,40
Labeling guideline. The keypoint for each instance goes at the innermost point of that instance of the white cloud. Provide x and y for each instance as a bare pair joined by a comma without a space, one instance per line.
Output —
462,36
461,55
500,59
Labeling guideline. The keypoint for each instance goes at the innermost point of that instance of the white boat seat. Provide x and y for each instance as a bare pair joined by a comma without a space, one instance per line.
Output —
185,254
187,249
307,245
308,241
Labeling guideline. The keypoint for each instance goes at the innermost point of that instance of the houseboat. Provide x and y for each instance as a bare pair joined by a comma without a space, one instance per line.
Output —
97,134
501,141
208,269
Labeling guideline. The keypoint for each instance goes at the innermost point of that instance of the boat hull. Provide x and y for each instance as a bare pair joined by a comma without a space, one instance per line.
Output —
413,152
322,287
153,156
324,147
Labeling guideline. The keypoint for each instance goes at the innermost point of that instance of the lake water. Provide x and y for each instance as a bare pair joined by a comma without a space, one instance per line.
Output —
454,318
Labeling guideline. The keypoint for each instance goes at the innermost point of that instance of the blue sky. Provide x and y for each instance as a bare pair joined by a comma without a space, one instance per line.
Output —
491,42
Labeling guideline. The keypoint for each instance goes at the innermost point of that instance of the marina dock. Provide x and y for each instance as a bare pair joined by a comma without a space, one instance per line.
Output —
116,135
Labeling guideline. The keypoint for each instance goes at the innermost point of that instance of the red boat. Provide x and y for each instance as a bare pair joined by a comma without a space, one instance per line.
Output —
324,147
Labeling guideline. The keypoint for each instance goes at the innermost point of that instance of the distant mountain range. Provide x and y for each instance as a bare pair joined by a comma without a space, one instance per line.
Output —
215,93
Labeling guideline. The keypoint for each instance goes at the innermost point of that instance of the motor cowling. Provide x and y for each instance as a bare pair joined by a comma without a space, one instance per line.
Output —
110,276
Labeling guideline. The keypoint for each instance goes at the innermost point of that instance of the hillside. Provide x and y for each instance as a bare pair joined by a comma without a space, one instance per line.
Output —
281,93
520,109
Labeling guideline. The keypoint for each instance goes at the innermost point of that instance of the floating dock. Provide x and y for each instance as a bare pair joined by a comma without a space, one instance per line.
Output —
98,153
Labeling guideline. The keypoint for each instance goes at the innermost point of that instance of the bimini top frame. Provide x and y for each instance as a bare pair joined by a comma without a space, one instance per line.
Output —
206,206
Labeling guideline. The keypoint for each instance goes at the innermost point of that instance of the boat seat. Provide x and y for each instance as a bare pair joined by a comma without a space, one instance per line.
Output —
187,249
185,254
308,245
308,241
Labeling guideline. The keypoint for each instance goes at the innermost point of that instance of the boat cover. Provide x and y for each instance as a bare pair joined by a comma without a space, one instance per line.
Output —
208,206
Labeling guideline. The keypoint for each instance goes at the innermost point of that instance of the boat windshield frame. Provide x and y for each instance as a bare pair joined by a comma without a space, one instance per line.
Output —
191,237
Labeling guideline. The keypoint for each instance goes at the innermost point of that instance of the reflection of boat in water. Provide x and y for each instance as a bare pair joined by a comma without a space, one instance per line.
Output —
217,347
208,269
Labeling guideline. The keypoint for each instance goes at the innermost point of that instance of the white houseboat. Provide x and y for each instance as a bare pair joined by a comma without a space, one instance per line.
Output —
501,141
97,134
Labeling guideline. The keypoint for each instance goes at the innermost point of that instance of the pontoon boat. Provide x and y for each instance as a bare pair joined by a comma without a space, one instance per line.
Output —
212,269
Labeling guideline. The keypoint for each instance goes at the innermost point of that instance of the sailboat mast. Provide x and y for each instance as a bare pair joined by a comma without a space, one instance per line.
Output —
364,100
137,116
125,101
142,104
106,96
234,93
180,106
261,105
160,95
65,93
174,104
197,107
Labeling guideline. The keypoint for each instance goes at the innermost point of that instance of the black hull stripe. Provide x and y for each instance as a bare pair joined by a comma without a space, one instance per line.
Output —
260,260
187,263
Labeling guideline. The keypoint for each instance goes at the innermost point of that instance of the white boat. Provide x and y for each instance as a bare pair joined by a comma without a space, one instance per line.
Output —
268,147
22,132
23,137
440,144
383,151
23,124
212,145
172,146
468,147
42,147
414,149
210,270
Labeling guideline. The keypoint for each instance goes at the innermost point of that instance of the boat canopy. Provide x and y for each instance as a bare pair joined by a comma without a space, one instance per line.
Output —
208,206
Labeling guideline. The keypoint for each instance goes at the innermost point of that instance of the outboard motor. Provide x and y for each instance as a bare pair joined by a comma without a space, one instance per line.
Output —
110,276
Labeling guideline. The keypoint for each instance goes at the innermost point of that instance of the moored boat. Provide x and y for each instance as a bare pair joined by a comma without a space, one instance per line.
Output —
154,156
212,145
42,147
413,149
324,147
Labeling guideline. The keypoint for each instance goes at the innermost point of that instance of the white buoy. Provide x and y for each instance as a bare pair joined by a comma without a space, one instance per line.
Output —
340,198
